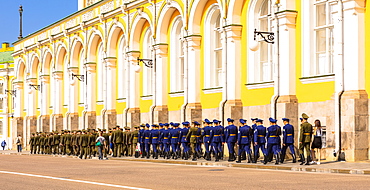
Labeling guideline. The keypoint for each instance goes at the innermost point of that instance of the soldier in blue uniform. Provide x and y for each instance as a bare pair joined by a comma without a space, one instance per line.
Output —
230,137
174,135
198,147
184,142
244,140
254,126
260,140
166,141
141,140
217,139
160,140
147,140
206,133
288,140
155,140
273,139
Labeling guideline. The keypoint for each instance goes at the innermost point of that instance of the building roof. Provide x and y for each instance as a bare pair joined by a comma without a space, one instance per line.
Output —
6,57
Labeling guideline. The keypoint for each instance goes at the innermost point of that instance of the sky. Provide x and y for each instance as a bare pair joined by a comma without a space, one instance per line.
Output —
36,15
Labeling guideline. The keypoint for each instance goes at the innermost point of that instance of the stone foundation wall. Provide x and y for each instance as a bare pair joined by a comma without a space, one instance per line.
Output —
174,116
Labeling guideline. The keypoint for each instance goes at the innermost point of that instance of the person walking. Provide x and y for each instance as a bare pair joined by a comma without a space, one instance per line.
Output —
18,141
230,137
260,141
288,140
3,144
100,143
317,142
305,140
273,139
244,137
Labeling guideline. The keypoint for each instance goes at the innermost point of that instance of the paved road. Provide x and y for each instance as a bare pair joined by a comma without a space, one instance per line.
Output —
47,172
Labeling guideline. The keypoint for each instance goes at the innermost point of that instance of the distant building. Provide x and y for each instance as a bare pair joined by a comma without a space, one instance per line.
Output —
6,97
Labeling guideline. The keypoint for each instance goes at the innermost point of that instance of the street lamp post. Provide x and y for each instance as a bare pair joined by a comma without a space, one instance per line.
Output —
20,22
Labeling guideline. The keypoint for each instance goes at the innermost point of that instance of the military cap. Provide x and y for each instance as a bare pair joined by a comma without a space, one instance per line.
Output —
166,124
160,124
176,124
230,120
254,119
104,129
33,133
285,119
117,126
196,123
259,120
207,121
242,121
171,123
216,121
185,123
136,127
272,120
127,128
147,125
305,116
301,119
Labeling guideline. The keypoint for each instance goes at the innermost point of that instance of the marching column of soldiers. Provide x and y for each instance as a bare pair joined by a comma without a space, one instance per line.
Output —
190,141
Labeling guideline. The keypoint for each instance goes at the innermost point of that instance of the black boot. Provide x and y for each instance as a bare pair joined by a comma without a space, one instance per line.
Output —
244,156
230,157
209,156
194,157
265,159
308,160
302,159
254,159
142,154
239,159
216,157
147,155
250,158
282,158
277,159
294,158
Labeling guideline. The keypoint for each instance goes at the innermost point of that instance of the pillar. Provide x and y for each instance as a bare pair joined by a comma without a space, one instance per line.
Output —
90,106
111,114
72,120
194,108
161,109
17,121
44,119
57,117
133,113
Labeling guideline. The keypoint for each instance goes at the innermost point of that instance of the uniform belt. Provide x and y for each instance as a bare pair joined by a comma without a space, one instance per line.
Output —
273,136
232,135
175,137
198,135
165,137
289,134
244,136
135,137
146,137
193,136
216,135
155,137
261,135
208,135
306,133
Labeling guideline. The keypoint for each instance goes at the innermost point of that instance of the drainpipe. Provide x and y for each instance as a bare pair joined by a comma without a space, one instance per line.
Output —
186,76
340,87
224,68
276,95
154,79
128,69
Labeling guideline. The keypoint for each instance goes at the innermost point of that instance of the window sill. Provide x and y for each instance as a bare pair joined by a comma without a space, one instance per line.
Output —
147,97
260,85
176,94
212,90
120,100
317,79
101,102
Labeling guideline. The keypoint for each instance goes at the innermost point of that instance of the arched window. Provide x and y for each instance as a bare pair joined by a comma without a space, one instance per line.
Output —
177,56
66,82
82,72
1,128
1,103
122,81
213,49
1,87
101,73
260,61
147,54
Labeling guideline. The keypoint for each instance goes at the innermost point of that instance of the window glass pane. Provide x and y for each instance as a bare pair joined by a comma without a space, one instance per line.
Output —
264,9
321,51
320,15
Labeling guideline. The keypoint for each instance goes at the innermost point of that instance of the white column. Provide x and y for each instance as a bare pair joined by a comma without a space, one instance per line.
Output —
111,83
31,110
233,33
90,104
58,95
161,74
134,80
73,90
45,80
354,44
18,106
194,42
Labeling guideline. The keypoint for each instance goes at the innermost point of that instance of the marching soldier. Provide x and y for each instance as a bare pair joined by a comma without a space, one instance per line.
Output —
305,136
155,140
192,138
217,139
134,141
174,135
260,140
273,139
126,141
32,143
244,138
166,141
207,138
184,142
84,144
161,147
42,143
37,143
56,139
107,142
68,139
230,137
141,140
147,140
117,139
288,140
62,143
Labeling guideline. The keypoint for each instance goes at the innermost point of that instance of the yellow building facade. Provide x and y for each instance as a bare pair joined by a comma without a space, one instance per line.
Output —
6,93
118,62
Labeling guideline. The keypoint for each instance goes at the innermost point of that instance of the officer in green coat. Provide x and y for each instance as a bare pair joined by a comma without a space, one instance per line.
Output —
305,136
117,139
32,143
134,140
192,138
84,140
107,143
68,142
37,143
42,143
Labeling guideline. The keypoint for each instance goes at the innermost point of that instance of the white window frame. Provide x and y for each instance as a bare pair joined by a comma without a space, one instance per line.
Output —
66,84
101,74
177,63
122,70
147,72
82,72
310,65
212,73
259,72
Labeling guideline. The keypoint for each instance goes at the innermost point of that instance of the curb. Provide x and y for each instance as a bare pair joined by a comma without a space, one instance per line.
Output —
227,164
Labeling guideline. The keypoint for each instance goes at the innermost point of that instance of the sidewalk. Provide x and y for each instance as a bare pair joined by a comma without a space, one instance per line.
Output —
325,166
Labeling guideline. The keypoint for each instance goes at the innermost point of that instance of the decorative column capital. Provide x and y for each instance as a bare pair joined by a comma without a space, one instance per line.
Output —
90,67
32,81
194,41
18,85
132,56
287,18
58,75
234,31
45,78
111,62
161,49
357,6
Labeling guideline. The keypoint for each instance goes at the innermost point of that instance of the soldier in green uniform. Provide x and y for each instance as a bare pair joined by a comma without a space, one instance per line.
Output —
126,141
106,145
32,143
117,139
84,140
62,143
56,139
305,139
134,140
68,141
42,143
37,143
192,138
91,143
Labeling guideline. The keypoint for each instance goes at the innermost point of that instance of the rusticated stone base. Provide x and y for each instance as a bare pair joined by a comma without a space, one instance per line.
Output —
17,126
73,121
234,110
161,114
90,120
287,107
110,119
133,117
45,123
194,112
58,122
354,136
32,124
